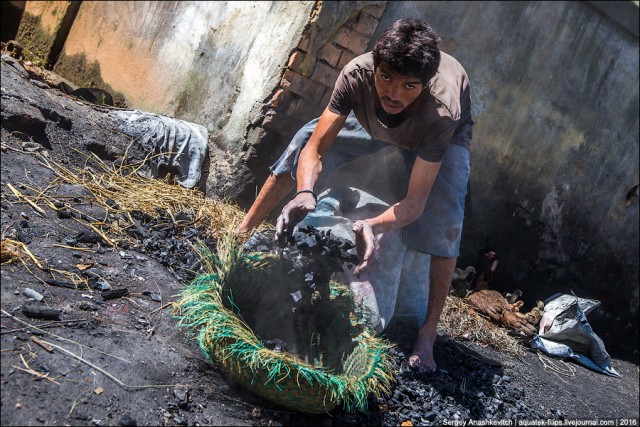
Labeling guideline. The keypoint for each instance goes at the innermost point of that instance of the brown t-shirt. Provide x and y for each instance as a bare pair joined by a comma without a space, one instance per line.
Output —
443,117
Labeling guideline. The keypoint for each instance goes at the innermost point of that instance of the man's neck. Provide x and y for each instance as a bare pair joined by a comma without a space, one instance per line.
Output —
394,120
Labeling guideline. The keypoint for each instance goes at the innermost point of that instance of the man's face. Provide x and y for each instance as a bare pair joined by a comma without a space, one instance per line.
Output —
395,91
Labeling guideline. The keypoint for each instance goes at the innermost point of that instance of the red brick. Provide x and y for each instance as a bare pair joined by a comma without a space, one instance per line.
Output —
351,40
345,58
301,86
276,98
325,75
296,59
364,24
330,54
303,45
375,10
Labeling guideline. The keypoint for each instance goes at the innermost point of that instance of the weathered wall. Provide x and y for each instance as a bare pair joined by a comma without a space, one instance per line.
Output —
554,151
206,62
43,28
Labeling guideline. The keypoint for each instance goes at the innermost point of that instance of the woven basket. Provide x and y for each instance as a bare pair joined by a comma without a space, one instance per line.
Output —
347,362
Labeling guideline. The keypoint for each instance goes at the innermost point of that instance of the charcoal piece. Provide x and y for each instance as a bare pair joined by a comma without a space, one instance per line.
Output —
308,277
128,420
296,296
34,312
22,237
102,285
93,272
112,203
58,205
116,293
88,237
85,305
60,283
70,241
155,297
64,214
183,216
24,224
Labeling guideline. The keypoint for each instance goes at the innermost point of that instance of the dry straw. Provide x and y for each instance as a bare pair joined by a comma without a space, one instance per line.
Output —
461,320
124,189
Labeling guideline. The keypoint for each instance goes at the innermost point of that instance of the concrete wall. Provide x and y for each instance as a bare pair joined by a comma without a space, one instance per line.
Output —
555,148
206,62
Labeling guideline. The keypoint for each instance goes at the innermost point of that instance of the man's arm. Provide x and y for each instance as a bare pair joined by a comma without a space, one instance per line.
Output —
423,175
309,169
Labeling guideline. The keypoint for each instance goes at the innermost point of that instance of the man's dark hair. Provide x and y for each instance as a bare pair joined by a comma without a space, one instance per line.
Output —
410,47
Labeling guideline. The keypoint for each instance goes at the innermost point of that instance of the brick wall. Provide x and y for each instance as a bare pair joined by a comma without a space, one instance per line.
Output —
304,90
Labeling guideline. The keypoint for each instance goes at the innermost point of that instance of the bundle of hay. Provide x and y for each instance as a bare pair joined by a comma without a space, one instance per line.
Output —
122,189
461,320
328,357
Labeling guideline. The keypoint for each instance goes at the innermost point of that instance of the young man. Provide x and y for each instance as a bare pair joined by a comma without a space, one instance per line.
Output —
408,93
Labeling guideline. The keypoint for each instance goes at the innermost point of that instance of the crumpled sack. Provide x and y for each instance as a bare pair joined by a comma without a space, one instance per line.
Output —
565,332
178,146
396,282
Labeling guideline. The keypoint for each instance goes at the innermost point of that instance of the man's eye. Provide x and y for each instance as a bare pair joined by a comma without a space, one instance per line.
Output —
410,87
385,77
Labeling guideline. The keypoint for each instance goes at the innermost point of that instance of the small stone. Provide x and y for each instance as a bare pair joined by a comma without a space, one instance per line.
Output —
30,293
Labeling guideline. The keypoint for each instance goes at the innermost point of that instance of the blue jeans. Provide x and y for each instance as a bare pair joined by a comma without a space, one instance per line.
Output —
439,229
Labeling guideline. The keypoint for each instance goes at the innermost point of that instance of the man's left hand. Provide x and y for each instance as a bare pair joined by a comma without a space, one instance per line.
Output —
366,243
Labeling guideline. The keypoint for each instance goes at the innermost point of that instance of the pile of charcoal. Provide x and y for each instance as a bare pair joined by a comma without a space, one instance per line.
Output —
467,389
315,251
169,239
462,393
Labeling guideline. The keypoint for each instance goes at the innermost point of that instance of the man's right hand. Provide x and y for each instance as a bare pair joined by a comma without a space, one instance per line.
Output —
293,213
366,244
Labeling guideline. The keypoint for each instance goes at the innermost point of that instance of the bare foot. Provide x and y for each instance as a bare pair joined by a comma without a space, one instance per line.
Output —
421,358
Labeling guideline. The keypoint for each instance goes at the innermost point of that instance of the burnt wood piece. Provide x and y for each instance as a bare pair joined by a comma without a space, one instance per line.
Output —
116,293
34,312
60,283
